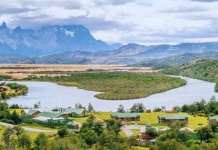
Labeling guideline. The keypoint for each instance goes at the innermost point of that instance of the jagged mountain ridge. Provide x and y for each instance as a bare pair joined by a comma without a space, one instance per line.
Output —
49,40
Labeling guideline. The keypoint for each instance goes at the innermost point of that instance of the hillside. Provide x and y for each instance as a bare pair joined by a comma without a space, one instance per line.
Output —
63,58
176,60
200,69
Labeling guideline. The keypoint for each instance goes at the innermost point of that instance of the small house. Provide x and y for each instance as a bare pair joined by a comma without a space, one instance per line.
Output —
72,112
3,88
29,113
170,118
50,117
126,116
212,118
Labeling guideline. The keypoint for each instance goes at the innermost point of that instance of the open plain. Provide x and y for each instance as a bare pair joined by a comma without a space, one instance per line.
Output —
20,71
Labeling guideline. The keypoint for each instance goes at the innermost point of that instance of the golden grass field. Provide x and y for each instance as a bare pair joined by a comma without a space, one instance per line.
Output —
31,68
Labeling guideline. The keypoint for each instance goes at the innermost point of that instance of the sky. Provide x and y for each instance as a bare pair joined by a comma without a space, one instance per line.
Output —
144,22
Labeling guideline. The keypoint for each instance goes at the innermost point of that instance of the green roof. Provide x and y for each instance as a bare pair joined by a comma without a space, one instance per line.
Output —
174,116
70,110
29,111
213,118
126,115
49,114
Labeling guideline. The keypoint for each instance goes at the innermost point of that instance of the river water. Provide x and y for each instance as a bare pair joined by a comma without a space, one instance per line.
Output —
52,95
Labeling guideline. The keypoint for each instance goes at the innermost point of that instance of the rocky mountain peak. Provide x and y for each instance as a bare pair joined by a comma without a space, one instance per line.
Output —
3,26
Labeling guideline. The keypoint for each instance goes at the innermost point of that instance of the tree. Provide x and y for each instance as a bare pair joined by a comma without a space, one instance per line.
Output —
185,108
24,141
63,132
114,125
207,109
15,117
7,135
18,130
213,126
78,105
157,109
177,108
41,142
204,134
98,127
132,141
37,105
121,109
152,132
137,107
91,108
3,95
163,108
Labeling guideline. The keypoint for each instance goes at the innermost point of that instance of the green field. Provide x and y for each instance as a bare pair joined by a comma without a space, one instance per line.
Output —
194,121
3,129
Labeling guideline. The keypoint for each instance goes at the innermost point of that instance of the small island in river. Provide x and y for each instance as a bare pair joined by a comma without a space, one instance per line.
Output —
8,90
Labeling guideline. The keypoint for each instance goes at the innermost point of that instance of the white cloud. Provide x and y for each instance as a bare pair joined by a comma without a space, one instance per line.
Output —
126,21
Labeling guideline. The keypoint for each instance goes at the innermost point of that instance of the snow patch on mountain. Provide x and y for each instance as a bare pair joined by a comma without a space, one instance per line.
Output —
69,33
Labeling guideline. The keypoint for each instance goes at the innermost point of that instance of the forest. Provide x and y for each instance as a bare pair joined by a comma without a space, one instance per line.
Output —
205,69
117,86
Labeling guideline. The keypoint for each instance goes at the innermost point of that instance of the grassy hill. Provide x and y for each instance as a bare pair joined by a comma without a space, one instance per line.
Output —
176,60
200,69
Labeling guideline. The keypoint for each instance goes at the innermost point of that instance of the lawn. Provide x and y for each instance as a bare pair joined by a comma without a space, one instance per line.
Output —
102,115
38,126
150,118
194,121
80,120
139,148
3,129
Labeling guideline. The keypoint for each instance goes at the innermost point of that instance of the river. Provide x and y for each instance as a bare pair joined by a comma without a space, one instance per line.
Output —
52,95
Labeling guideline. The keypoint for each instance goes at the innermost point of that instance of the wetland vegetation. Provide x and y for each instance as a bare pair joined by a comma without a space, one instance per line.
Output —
117,86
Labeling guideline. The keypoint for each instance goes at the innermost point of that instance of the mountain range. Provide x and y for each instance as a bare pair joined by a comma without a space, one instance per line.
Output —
49,40
75,44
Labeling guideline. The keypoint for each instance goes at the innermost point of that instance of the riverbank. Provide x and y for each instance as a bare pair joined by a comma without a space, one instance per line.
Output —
49,96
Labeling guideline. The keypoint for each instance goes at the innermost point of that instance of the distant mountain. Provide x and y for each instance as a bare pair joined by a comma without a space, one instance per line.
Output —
71,42
176,60
64,58
49,40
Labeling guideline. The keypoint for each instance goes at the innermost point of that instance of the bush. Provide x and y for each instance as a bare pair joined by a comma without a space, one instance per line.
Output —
7,121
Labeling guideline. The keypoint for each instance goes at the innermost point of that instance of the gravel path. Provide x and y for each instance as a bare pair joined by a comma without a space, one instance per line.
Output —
127,129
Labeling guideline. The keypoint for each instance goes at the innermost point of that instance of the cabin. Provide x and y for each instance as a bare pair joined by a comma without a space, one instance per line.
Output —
126,116
72,112
3,88
171,118
50,117
29,113
66,112
212,118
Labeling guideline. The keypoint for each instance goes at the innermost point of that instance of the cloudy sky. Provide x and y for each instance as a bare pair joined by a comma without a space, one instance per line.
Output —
125,21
